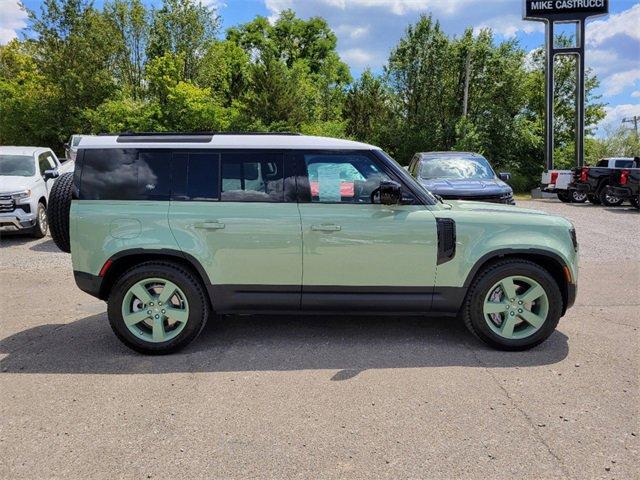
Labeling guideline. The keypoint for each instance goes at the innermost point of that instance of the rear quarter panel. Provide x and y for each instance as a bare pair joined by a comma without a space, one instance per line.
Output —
102,228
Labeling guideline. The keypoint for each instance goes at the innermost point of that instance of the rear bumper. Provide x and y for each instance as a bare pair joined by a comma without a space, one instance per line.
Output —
620,192
88,283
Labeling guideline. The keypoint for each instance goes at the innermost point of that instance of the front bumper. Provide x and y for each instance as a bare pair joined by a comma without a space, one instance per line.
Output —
16,220
504,199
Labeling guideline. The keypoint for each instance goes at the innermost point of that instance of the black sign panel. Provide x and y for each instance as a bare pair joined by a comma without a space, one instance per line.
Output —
564,9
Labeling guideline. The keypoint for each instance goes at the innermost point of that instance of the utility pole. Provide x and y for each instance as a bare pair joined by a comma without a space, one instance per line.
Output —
633,120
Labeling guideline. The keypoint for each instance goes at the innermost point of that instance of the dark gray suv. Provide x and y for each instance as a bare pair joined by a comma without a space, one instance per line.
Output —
460,176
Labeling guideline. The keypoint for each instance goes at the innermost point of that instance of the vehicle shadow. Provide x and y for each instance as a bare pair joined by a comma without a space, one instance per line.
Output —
259,343
622,209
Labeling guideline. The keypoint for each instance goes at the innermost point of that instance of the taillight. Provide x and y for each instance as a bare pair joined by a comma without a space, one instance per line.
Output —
624,177
554,177
584,174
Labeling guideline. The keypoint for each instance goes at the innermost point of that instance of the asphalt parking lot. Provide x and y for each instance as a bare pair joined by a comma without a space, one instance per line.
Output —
311,397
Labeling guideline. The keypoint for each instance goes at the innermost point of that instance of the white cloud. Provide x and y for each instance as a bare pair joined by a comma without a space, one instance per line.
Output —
402,7
12,19
352,31
616,113
618,82
636,94
623,23
509,25
357,56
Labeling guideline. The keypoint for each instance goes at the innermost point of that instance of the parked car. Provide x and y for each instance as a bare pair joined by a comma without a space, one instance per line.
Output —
26,176
594,181
460,176
625,183
558,182
168,228
71,147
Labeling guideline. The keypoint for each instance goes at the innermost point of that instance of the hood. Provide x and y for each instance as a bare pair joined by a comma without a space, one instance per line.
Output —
465,186
13,184
469,206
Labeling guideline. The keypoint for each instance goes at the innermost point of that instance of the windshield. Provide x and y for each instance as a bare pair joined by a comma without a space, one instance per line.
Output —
75,140
401,172
454,167
17,166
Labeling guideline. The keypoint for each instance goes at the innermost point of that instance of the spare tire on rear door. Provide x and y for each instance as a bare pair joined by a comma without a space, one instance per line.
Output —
58,211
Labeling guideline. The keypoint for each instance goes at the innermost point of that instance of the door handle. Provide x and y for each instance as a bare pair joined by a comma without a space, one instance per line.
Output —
326,228
210,225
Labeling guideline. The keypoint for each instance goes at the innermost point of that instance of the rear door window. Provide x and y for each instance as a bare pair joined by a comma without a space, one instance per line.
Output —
252,177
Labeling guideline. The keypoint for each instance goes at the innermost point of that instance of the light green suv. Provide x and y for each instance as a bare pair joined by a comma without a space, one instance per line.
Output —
170,228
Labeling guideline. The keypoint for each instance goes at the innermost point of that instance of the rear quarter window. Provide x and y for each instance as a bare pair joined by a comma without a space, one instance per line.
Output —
125,174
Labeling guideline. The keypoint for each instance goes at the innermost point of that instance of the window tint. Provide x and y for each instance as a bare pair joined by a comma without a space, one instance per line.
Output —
45,162
125,174
203,176
602,163
624,163
252,177
342,177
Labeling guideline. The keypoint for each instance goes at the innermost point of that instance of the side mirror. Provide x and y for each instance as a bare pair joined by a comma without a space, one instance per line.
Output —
66,146
51,174
504,176
390,193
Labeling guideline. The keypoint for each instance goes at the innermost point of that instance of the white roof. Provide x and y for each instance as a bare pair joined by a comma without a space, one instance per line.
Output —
231,141
9,150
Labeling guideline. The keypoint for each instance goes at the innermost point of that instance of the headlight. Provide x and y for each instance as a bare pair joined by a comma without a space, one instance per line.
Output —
19,195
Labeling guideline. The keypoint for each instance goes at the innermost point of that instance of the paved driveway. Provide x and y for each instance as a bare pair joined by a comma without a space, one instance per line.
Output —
311,397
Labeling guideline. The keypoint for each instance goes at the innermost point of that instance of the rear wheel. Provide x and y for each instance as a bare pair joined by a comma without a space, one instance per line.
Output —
635,201
578,196
564,196
593,199
42,225
513,305
607,199
157,308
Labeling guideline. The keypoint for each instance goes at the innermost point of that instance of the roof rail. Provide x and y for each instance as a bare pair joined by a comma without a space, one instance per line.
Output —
161,134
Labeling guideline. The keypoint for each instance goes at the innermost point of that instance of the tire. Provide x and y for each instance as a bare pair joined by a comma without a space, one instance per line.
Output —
635,201
58,211
564,197
546,309
578,197
189,301
608,200
41,226
593,199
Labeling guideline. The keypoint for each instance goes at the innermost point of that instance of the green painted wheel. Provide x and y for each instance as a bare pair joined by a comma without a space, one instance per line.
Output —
516,307
155,310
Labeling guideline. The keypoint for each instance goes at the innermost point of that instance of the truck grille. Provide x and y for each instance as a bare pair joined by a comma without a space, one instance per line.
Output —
7,204
482,198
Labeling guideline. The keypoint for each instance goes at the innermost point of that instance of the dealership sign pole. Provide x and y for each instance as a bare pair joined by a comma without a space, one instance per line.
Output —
564,11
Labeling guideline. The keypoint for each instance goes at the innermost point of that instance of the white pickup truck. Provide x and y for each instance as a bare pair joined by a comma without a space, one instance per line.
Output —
557,181
26,177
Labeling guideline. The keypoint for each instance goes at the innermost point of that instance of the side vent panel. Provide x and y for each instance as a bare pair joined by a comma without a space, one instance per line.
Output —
446,239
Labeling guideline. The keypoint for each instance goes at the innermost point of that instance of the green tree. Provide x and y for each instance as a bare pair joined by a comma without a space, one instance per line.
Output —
130,20
183,28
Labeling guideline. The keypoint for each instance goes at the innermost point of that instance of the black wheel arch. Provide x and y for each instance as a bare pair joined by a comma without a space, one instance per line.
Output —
126,259
550,261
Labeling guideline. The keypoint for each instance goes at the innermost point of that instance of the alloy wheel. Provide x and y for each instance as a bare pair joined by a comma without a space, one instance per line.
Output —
155,310
516,307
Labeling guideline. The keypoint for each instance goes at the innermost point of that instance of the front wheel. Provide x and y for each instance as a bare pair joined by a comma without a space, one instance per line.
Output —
635,201
157,308
42,225
513,305
578,196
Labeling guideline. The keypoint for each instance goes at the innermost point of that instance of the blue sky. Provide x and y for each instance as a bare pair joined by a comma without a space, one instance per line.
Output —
368,29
